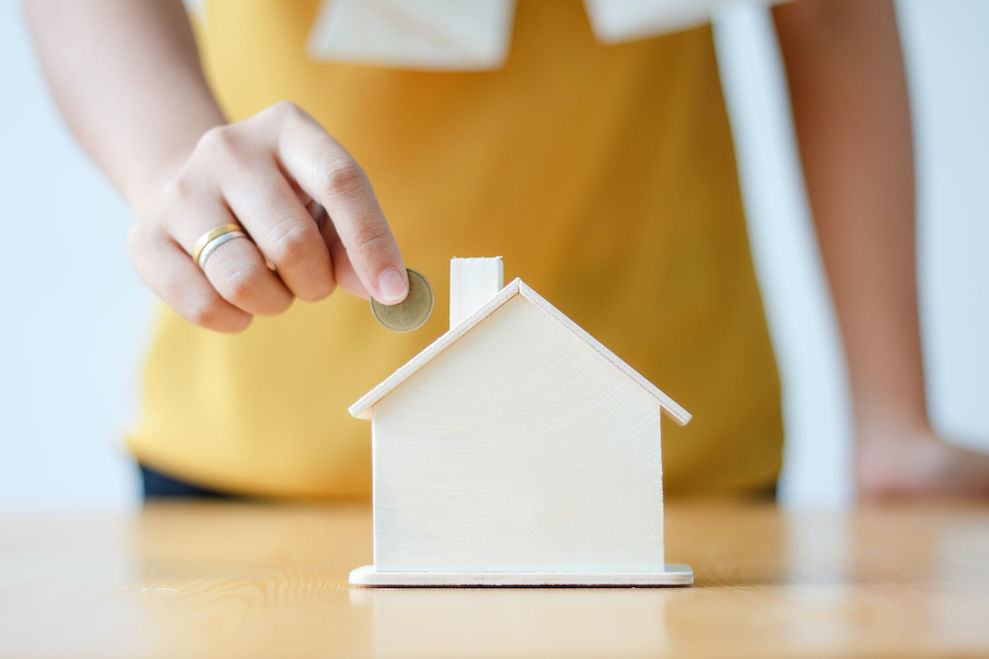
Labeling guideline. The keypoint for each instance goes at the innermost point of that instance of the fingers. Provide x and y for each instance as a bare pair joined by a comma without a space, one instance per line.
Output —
236,269
343,271
283,229
312,217
169,272
328,174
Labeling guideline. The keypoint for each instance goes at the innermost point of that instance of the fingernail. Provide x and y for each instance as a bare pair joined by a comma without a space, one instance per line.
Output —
393,285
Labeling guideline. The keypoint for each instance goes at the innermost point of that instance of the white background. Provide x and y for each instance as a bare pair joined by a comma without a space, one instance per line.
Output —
76,319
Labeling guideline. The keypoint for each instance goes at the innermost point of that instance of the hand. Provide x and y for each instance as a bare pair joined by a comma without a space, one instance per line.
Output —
914,463
274,174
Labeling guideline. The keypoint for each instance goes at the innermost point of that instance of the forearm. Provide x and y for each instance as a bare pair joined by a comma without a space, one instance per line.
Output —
126,77
851,111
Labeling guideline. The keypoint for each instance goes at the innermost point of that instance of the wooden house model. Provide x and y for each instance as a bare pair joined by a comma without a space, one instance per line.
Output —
516,450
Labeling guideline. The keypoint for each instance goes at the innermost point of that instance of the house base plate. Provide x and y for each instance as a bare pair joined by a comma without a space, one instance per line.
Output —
675,575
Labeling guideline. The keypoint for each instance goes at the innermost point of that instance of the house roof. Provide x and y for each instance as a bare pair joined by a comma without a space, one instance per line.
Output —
362,408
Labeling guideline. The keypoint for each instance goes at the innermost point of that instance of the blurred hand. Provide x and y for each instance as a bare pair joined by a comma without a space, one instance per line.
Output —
914,462
306,204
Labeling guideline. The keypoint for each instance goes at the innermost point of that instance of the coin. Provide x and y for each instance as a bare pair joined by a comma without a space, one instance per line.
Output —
412,312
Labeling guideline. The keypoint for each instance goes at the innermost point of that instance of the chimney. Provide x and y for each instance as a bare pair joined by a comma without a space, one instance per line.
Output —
472,283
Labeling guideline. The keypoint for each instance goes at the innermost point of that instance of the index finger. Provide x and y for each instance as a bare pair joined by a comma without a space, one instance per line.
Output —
329,174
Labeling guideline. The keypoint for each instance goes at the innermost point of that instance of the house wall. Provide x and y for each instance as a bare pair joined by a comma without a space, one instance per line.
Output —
518,449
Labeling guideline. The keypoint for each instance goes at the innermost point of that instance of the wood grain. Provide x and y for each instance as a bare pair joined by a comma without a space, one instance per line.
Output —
473,282
241,580
516,444
517,449
674,574
363,407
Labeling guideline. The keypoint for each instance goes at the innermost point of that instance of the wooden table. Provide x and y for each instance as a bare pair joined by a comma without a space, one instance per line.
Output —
248,580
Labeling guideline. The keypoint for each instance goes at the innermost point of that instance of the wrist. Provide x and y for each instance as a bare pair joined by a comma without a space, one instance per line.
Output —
147,185
881,421
166,160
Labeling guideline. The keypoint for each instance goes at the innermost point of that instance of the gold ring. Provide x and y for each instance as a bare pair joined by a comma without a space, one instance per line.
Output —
209,237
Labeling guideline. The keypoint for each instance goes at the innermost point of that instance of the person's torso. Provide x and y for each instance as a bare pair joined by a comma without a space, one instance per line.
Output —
605,177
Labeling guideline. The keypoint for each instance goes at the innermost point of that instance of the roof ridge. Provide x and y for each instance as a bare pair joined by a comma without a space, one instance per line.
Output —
362,408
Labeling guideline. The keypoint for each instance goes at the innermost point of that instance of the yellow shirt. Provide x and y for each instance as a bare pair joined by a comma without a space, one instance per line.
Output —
604,175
